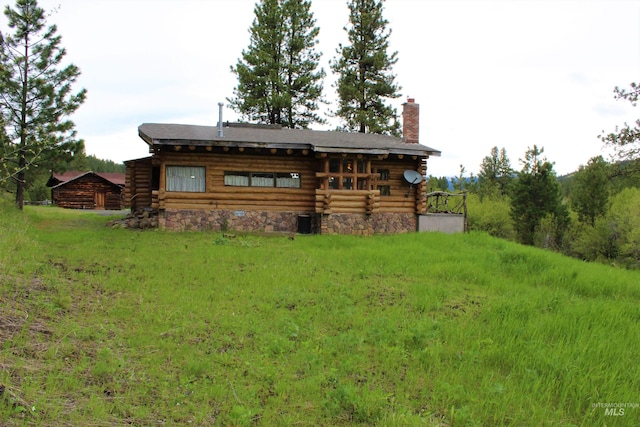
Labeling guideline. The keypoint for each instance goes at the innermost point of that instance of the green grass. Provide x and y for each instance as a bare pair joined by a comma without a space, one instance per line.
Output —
107,326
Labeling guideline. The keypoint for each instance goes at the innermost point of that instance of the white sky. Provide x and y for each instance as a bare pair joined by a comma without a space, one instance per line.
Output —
485,73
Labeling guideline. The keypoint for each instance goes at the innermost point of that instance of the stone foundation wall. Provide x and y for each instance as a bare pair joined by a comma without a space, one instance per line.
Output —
225,220
378,223
286,222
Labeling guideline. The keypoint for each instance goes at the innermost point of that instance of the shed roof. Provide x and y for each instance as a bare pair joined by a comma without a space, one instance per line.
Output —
57,179
265,136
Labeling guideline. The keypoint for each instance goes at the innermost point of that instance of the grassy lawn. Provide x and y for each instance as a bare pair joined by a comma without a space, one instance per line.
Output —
104,327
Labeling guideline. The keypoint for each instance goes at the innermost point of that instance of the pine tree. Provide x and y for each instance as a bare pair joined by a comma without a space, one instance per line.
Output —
363,67
278,77
590,190
35,96
495,173
535,196
304,84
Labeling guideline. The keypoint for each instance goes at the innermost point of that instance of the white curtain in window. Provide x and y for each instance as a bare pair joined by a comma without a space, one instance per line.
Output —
262,181
186,178
287,182
237,180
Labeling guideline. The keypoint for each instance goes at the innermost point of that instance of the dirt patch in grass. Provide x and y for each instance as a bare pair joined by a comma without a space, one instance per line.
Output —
18,303
36,345
25,335
464,305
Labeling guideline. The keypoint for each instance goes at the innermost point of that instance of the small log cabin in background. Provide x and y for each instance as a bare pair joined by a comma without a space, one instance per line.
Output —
265,178
87,190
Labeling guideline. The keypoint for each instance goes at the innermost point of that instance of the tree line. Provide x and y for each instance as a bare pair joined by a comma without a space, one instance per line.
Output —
279,82
591,214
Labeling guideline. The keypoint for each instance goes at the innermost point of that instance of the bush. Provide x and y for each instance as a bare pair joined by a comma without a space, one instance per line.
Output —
614,238
623,222
38,193
490,214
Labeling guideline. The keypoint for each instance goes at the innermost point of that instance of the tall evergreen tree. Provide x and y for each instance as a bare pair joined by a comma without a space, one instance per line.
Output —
536,195
363,67
495,173
35,96
590,190
278,77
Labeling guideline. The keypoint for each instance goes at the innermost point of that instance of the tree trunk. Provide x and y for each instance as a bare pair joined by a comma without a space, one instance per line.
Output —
22,160
20,184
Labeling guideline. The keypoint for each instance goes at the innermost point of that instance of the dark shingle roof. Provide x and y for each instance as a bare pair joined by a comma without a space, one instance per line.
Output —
57,179
156,134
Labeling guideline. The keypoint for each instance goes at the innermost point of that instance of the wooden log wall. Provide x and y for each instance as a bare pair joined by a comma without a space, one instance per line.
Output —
81,194
347,201
421,191
138,183
402,198
308,198
128,183
221,196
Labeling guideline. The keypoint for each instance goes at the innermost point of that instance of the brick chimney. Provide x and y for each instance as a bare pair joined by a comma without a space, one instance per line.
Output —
411,121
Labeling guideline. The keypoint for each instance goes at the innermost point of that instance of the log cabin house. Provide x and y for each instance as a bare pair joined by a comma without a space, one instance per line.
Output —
87,190
265,178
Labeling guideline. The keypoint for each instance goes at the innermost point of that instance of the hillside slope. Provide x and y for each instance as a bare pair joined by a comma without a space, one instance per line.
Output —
105,326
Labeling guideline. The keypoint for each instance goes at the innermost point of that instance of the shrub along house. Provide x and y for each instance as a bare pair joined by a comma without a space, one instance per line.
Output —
265,178
87,190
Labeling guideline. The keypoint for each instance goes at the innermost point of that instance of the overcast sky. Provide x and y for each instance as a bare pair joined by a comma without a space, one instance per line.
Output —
485,73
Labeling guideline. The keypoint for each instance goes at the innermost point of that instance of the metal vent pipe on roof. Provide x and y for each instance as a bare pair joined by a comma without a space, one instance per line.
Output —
220,131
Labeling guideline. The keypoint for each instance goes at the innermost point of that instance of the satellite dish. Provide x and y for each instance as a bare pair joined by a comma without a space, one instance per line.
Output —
412,177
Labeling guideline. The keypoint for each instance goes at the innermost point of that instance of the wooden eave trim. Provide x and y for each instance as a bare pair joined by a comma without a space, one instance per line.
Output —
146,138
372,151
230,144
293,146
335,150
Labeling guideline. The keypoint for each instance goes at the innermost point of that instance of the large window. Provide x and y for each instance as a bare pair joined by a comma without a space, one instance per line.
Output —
186,178
262,179
347,173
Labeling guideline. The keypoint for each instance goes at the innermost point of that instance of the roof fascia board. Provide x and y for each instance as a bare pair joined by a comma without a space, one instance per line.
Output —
244,144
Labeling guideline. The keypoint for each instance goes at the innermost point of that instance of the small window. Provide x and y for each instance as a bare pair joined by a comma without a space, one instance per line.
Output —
362,166
334,166
347,166
237,179
288,180
262,180
334,183
362,184
385,190
384,174
186,178
347,183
